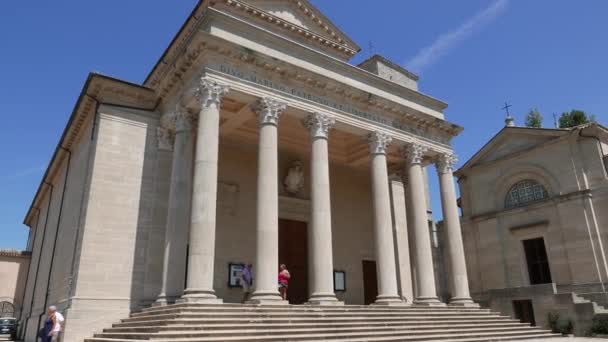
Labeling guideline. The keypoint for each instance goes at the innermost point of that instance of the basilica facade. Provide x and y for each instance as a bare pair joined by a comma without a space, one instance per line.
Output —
252,140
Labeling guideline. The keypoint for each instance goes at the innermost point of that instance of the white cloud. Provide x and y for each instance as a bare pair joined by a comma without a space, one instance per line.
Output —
449,40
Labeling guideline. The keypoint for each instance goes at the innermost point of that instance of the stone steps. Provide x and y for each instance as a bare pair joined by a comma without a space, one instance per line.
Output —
287,320
352,337
261,314
298,331
418,325
207,323
300,308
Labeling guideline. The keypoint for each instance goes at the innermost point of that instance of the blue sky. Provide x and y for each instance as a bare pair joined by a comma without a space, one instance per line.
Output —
472,54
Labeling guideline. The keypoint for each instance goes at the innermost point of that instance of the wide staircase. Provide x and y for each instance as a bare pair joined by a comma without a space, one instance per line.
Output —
232,322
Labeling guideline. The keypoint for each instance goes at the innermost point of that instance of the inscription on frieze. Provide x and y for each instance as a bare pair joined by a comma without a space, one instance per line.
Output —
252,76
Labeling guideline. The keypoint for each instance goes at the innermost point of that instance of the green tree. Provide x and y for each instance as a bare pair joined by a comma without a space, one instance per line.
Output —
574,118
534,119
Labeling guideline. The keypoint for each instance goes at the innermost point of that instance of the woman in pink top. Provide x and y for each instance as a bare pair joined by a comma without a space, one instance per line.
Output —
283,281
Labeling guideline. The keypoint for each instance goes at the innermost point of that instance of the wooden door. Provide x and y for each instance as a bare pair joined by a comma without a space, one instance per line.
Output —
524,311
370,282
293,252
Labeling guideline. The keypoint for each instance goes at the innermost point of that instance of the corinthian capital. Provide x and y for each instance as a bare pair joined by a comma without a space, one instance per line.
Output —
378,142
319,124
210,92
177,121
269,110
445,162
164,139
414,153
183,120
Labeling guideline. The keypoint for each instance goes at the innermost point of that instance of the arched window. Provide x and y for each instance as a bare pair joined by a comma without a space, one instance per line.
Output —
524,192
7,309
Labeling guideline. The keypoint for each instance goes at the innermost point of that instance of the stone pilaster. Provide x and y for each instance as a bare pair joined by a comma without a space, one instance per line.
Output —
459,281
180,194
425,276
319,233
383,228
204,195
267,228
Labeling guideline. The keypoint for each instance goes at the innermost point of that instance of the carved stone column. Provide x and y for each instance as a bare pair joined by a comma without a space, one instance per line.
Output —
180,195
319,235
383,228
267,229
459,281
425,273
204,195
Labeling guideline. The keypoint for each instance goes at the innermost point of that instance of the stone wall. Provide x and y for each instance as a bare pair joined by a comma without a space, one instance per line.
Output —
545,299
13,272
119,226
54,236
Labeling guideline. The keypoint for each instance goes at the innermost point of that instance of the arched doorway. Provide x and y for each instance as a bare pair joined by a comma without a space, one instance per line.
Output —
7,309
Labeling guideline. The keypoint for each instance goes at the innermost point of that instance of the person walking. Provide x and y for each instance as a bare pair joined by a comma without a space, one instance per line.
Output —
283,281
247,282
57,324
47,331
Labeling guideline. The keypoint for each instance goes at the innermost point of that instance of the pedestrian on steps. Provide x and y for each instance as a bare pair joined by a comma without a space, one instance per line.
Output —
246,282
283,281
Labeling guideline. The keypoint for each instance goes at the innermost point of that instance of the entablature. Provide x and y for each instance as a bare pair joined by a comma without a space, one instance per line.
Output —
222,57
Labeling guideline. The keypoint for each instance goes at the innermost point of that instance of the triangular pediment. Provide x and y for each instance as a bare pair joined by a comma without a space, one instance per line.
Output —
511,141
297,19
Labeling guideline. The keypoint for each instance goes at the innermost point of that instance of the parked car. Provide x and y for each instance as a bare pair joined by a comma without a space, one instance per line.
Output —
8,326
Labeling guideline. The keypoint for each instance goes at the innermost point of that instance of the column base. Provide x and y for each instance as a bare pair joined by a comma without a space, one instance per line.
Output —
164,300
199,297
389,300
267,298
323,299
463,302
428,301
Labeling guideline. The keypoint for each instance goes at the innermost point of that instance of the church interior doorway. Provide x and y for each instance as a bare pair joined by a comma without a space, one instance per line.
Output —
293,252
370,282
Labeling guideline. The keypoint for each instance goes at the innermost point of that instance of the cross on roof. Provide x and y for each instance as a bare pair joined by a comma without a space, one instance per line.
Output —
506,108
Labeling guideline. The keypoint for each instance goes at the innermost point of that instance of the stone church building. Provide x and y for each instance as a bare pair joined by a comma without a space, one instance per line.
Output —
252,140
13,271
535,223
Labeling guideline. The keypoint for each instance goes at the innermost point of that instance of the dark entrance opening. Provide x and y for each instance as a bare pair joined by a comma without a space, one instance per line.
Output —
293,252
370,281
524,311
538,263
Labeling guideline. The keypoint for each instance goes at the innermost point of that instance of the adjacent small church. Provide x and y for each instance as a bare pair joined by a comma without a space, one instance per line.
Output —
535,222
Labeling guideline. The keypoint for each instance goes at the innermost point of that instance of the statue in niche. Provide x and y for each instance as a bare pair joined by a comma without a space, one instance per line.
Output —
294,182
